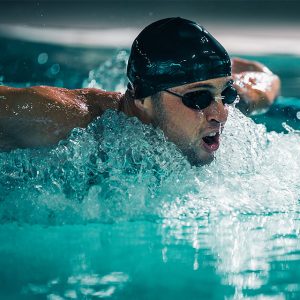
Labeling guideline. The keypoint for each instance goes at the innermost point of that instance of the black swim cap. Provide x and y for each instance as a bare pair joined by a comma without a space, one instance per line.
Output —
173,52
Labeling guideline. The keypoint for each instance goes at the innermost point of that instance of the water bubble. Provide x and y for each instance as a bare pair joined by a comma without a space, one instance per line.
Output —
105,293
54,297
287,127
37,289
42,58
54,69
70,294
298,115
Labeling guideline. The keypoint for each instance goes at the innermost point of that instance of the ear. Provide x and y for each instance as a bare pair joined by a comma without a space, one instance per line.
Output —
140,104
145,108
144,105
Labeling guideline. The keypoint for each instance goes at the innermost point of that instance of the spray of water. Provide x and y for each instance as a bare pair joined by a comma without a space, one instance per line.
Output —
119,169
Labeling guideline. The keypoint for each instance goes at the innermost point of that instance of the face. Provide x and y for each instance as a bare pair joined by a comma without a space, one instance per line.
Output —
196,132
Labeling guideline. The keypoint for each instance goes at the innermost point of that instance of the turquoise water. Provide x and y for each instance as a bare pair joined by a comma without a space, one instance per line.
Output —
115,211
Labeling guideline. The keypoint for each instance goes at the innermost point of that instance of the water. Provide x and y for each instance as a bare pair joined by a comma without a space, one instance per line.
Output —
117,212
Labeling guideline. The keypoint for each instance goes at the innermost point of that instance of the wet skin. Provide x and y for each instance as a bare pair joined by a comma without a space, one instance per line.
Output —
187,127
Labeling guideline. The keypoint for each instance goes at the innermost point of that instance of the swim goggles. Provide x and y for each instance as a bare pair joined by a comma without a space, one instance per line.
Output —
203,98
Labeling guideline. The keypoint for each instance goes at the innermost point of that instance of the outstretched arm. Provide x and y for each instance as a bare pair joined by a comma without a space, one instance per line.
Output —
42,116
257,86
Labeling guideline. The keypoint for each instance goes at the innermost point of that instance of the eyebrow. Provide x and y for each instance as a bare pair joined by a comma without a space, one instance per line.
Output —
204,85
211,86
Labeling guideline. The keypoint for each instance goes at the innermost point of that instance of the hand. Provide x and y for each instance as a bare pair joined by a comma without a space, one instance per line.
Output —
257,86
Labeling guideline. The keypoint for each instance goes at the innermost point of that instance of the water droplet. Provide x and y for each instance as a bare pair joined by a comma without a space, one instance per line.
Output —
55,68
42,58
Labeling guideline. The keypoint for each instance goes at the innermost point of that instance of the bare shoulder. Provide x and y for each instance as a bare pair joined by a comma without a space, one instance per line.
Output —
100,100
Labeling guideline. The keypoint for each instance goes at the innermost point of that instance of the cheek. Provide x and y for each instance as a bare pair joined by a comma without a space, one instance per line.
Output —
184,122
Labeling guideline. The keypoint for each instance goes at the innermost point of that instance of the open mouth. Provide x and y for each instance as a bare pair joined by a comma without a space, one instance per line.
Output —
211,142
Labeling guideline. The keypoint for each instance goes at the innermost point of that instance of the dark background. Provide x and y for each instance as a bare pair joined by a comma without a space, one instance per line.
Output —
110,13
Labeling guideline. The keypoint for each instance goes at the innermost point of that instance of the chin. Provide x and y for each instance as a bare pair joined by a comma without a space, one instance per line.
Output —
202,159
201,162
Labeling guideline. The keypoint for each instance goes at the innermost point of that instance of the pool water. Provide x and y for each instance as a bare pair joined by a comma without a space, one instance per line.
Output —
115,211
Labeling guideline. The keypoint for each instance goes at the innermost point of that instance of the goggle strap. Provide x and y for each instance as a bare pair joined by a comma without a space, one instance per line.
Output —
173,93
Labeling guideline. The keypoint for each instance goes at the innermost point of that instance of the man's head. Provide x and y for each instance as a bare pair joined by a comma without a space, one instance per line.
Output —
178,74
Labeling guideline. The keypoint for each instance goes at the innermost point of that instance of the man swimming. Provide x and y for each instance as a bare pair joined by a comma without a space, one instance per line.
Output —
179,79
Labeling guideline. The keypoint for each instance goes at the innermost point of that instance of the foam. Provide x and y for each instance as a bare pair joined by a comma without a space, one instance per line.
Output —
119,169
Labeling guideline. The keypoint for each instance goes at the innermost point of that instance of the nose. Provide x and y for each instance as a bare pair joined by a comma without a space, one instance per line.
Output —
216,112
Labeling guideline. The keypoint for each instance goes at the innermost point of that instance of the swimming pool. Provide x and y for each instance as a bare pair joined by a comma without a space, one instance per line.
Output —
117,212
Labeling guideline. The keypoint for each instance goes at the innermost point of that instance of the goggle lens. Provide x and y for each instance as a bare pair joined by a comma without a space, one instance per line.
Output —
202,99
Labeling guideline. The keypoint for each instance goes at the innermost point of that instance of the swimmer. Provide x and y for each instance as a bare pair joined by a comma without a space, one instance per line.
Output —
181,79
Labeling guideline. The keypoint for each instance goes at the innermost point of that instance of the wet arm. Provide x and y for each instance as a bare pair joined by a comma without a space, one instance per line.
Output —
257,86
40,116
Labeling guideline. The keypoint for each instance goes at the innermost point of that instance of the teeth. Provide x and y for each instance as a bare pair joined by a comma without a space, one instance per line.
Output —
212,134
